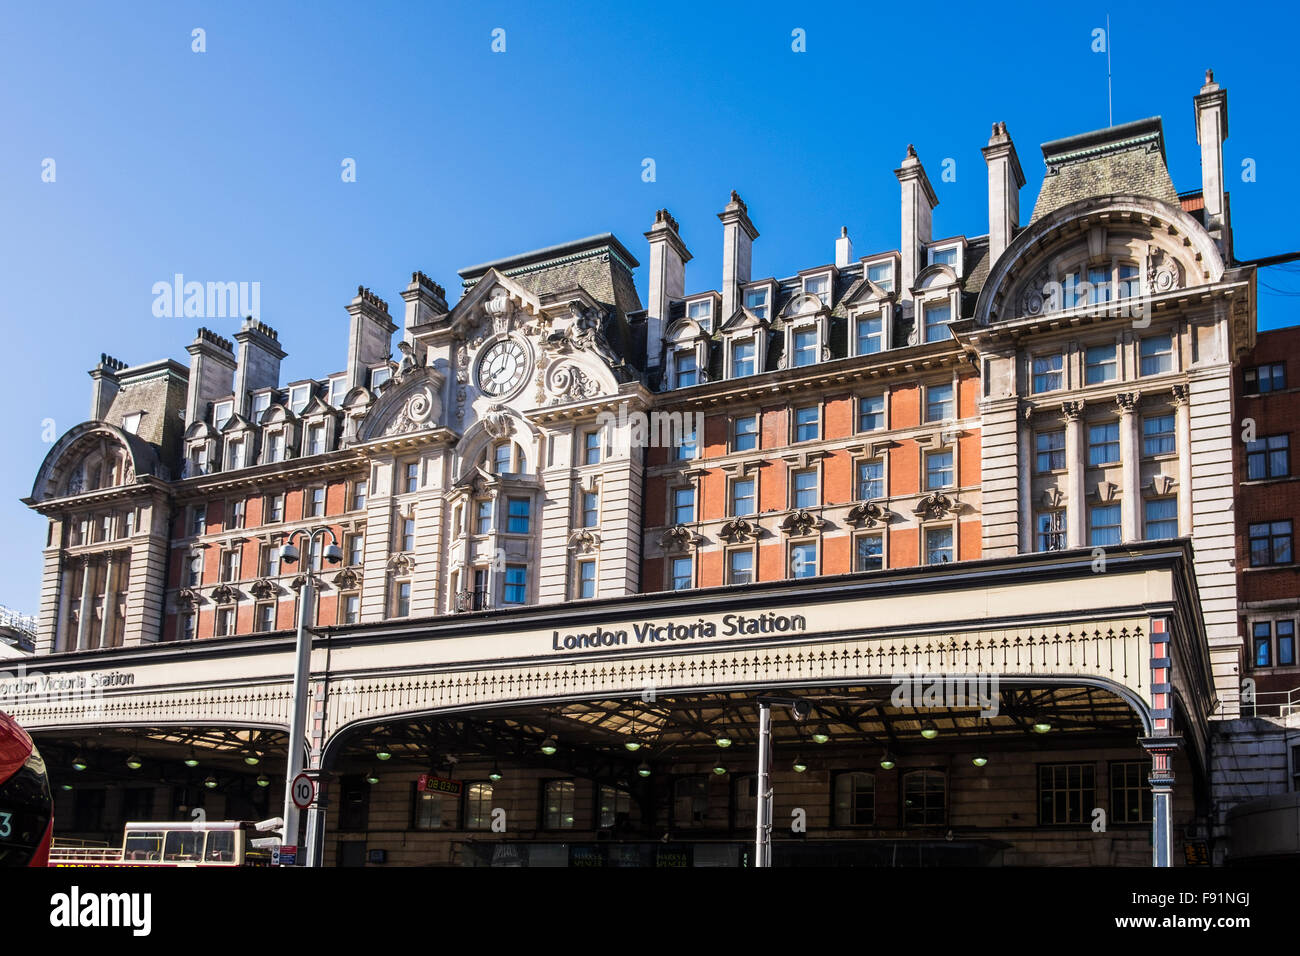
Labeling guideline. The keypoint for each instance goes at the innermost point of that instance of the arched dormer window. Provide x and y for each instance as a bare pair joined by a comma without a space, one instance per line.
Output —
687,360
505,457
805,330
937,294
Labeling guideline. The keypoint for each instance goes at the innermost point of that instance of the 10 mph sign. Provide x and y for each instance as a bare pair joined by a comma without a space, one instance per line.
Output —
304,791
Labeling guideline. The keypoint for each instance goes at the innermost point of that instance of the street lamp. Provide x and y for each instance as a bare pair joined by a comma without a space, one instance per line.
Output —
289,554
763,830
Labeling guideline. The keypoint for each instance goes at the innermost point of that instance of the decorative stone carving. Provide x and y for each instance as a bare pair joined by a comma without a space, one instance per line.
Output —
1162,271
802,522
224,594
1162,485
188,597
569,383
411,361
1182,395
1072,410
1052,499
416,414
740,529
347,579
679,538
498,422
584,541
401,564
264,588
500,310
1106,490
869,514
1034,300
1127,402
936,505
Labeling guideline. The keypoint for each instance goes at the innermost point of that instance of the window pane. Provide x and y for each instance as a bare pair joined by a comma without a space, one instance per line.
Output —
1105,528
936,322
938,545
1162,518
871,413
1103,444
1100,364
870,553
1050,449
747,433
1047,372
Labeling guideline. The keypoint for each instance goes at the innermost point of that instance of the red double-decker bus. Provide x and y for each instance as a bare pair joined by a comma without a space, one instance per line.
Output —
26,809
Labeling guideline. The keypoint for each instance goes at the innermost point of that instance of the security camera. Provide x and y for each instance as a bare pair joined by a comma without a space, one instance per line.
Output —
800,709
289,554
333,554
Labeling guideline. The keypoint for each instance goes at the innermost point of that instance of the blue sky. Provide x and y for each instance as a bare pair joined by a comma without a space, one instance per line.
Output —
225,165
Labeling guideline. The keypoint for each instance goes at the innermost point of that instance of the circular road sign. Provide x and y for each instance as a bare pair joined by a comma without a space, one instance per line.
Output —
304,791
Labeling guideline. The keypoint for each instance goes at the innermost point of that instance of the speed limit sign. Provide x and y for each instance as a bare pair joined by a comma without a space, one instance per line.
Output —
304,791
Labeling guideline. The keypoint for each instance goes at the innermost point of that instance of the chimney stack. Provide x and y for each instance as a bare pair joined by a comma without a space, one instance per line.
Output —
668,258
1211,131
738,235
1005,180
106,386
918,202
212,373
259,361
370,335
843,248
425,301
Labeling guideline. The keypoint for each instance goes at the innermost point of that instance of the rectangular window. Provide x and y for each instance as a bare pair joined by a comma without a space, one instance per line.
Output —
380,376
412,476
478,806
740,567
756,301
590,509
683,505
742,358
230,565
558,798
939,405
805,348
882,274
871,334
871,413
261,402
501,455
819,286
925,798
317,502
1103,444
742,497
1262,636
1156,355
483,516
237,454
937,316
1270,543
855,799
682,573
687,446
434,811
869,552
1286,643
1269,457
1158,435
702,312
402,599
187,627
803,560
1066,793
947,256
1073,290
591,448
338,389
1130,794
195,570
516,591
276,451
746,433
359,490
236,519
615,806
1266,378
200,459
805,489
314,554
685,364
408,535
221,413
265,617
1050,451
270,560
938,470
1130,282
299,396
1100,364
1103,521
518,515
586,579
198,519
1049,372
871,480
351,608
275,509
806,423
316,440
1162,518
225,621
1051,526
1098,285
938,546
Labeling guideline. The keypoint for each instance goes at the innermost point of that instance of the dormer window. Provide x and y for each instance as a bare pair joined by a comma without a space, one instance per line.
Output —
221,413
275,448
316,440
758,301
937,316
131,423
299,396
742,358
687,369
882,274
805,347
380,375
944,256
701,311
236,454
820,286
869,334
261,402
199,460
338,389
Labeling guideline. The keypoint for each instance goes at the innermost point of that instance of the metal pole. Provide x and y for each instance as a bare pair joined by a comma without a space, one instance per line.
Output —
763,834
298,705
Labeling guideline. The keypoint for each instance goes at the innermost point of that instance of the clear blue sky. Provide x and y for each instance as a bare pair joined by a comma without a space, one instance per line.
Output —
225,165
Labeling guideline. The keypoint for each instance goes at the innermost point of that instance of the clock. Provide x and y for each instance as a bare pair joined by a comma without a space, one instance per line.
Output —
502,368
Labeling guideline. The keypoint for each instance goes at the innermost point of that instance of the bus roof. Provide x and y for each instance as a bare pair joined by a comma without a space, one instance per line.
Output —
190,825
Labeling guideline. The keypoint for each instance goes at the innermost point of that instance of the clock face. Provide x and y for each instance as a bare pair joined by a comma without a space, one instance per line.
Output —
502,368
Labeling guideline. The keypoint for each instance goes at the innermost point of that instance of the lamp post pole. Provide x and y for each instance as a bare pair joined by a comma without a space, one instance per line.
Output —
302,674
763,836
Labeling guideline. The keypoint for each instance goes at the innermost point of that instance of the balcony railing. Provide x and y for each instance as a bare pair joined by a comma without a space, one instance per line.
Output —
472,601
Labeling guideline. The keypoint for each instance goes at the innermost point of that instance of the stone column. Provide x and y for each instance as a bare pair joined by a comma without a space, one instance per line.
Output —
110,602
1183,437
87,599
1130,450
1075,451
1025,454
1161,781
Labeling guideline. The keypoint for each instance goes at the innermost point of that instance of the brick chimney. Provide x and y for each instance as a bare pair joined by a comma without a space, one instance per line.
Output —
1005,180
212,373
370,334
918,202
668,258
259,361
738,235
106,386
1211,131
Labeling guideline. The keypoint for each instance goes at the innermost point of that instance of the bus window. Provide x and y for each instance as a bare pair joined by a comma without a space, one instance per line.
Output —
221,847
143,845
183,845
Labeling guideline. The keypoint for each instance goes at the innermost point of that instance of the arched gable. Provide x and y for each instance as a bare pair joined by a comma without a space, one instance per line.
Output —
412,404
69,468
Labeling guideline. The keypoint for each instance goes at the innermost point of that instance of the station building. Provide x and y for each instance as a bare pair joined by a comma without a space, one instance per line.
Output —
967,498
